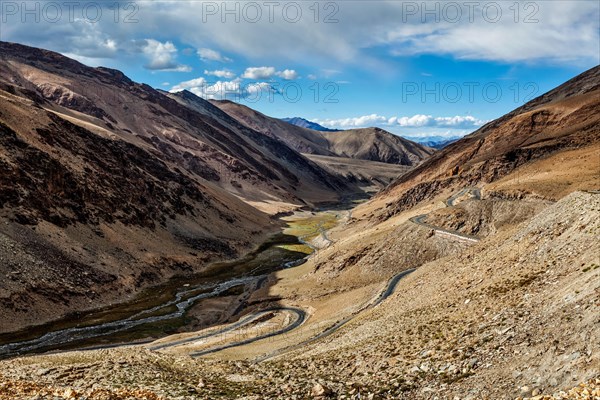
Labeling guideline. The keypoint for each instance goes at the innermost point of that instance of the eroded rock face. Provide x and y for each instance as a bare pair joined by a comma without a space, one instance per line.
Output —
67,98
117,182
108,186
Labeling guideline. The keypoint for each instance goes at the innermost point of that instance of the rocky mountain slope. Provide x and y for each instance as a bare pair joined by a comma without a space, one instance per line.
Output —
358,155
372,144
565,118
301,139
235,158
370,175
513,316
475,277
376,144
109,186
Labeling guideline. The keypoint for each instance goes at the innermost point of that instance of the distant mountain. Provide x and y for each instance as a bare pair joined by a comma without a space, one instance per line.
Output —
304,123
436,142
303,140
372,144
376,144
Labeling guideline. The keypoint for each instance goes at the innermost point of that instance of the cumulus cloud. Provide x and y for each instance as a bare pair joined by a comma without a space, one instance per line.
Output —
162,56
458,121
415,121
259,73
234,89
571,27
354,122
212,55
222,73
189,84
287,74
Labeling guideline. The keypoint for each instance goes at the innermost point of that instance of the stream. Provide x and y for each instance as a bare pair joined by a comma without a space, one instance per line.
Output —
163,310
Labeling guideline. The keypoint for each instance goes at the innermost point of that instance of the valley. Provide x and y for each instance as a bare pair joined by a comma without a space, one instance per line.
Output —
185,303
159,245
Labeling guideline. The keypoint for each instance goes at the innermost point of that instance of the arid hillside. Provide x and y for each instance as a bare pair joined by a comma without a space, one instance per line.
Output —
370,157
566,118
475,275
109,186
370,175
376,144
302,139
229,155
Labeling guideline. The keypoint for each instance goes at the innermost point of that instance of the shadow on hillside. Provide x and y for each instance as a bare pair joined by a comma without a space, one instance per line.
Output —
217,295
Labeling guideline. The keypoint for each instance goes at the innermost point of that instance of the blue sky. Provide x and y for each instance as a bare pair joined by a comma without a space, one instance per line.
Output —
413,68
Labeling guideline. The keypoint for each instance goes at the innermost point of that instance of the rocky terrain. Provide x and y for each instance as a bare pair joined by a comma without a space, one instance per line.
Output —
376,144
425,341
372,144
476,275
370,175
109,186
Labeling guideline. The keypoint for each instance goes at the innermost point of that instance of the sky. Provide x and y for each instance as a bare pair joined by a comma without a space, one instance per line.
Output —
426,68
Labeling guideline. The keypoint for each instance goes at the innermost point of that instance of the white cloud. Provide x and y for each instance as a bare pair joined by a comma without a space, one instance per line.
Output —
161,56
180,68
219,90
212,55
570,27
354,122
189,84
259,73
287,74
258,88
567,31
415,121
458,121
223,73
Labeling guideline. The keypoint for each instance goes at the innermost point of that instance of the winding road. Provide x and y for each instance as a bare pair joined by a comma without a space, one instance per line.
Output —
186,298
300,318
301,314
389,289
419,219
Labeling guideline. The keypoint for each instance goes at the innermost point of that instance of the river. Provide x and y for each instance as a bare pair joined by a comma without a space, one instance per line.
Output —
166,309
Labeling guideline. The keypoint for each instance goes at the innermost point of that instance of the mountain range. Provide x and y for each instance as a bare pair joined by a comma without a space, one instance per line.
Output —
99,170
432,141
472,271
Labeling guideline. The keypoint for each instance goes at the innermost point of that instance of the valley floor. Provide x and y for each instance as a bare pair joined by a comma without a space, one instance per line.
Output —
511,315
